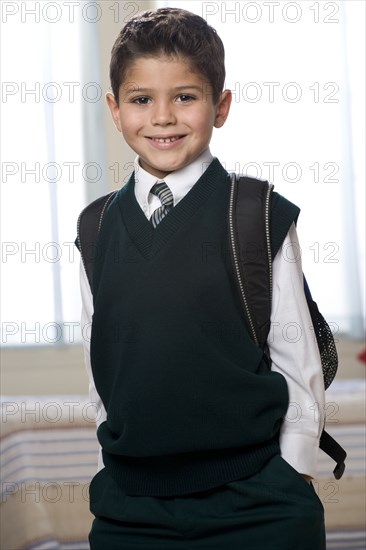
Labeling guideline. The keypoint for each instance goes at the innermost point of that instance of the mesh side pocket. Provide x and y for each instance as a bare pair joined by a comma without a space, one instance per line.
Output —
325,339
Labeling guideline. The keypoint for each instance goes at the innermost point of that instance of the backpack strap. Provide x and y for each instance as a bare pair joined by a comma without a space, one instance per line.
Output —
247,222
88,226
259,220
335,451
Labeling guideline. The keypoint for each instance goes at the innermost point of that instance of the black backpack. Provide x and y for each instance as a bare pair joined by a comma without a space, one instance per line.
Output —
251,251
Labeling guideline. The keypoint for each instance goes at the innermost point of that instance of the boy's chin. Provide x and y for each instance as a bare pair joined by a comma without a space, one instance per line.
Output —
160,171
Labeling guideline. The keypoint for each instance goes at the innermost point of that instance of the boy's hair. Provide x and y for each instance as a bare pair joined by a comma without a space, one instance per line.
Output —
171,32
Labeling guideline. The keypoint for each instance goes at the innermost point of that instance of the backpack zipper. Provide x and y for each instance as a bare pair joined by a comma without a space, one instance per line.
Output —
268,238
235,254
235,258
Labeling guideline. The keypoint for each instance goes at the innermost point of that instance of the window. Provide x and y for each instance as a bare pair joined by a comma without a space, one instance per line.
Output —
50,91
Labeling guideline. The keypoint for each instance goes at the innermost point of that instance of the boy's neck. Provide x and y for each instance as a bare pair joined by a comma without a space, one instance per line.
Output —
180,181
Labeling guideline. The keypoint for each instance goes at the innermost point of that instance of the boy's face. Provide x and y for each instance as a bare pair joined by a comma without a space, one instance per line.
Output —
166,113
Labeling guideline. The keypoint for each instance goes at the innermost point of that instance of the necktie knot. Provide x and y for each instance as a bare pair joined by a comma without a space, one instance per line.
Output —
164,194
162,191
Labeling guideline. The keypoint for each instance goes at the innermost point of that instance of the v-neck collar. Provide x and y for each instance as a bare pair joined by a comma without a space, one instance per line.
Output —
150,240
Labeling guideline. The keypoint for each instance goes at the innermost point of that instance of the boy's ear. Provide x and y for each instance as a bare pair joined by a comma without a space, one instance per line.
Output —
223,108
114,109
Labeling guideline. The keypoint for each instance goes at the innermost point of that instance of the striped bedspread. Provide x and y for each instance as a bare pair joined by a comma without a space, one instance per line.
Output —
49,454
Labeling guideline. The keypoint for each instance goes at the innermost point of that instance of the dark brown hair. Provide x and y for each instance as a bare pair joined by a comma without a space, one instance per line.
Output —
171,32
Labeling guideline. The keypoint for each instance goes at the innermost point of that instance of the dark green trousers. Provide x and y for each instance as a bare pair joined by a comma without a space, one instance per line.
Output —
275,509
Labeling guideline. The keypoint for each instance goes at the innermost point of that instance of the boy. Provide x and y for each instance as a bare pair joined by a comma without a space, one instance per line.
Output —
203,445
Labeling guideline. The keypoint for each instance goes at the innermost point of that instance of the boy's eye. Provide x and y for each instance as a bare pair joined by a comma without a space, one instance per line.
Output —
185,97
141,100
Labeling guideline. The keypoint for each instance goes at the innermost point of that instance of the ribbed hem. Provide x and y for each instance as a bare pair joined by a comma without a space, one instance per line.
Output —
186,473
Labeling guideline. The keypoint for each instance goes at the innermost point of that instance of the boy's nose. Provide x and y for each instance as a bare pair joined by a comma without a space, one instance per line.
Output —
163,114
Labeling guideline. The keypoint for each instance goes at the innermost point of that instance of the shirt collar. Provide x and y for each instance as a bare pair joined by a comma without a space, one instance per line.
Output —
179,182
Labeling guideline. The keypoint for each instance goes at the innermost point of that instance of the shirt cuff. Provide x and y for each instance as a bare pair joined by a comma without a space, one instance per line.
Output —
301,452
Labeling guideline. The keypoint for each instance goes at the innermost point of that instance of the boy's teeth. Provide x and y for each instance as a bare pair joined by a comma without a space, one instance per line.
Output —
165,140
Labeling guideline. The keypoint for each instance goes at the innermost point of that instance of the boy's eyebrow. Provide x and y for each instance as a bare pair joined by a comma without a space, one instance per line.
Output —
192,87
135,89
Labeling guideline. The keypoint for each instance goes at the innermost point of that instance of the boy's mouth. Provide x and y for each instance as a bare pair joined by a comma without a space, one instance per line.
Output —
167,139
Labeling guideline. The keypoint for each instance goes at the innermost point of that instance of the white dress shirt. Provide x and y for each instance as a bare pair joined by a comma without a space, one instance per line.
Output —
292,344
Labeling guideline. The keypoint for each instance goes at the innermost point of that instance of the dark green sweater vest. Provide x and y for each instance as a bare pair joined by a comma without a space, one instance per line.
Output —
191,403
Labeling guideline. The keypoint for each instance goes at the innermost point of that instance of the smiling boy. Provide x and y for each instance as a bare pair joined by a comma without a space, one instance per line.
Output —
199,449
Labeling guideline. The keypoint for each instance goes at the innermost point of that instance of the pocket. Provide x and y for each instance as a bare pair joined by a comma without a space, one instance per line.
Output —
296,474
299,484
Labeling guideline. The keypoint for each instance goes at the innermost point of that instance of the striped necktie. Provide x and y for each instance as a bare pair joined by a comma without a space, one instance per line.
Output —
162,191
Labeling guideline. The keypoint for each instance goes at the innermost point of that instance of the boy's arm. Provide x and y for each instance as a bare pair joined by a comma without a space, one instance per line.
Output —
86,320
295,354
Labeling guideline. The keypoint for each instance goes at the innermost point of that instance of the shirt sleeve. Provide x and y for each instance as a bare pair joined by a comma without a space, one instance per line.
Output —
294,353
86,321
